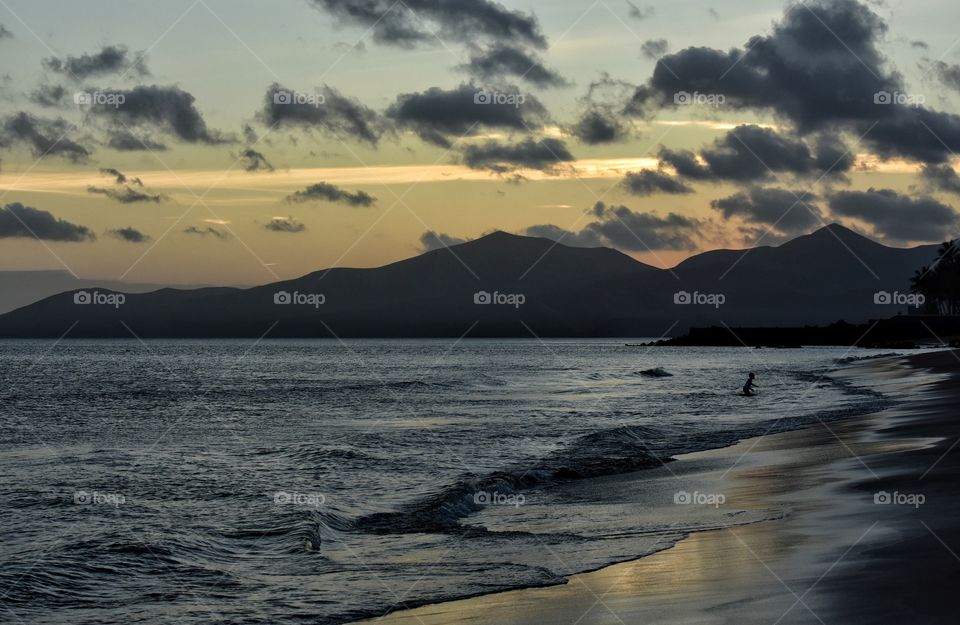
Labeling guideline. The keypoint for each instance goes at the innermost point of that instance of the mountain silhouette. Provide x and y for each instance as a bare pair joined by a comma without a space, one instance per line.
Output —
509,285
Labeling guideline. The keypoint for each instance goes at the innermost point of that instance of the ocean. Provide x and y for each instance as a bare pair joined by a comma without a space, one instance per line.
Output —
325,482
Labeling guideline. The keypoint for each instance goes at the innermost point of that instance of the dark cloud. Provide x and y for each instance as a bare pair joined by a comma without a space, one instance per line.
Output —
787,212
439,116
821,70
583,238
598,125
206,231
120,177
50,96
46,137
126,195
502,61
130,235
639,13
415,22
166,109
24,222
650,181
948,74
941,178
4,33
545,155
685,163
285,224
898,217
326,110
653,49
324,191
751,153
431,240
109,60
254,161
622,228
601,120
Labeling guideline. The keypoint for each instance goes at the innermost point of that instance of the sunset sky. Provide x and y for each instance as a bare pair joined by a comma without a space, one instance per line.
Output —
154,142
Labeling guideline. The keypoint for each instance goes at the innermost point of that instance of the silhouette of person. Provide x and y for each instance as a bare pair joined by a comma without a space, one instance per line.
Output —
749,386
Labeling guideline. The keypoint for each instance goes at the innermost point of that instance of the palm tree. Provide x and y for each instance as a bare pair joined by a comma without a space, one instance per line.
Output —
940,282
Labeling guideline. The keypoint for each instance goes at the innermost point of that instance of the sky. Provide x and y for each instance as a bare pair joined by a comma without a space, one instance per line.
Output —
241,142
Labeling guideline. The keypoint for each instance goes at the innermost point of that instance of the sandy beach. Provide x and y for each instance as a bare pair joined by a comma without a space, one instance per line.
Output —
862,526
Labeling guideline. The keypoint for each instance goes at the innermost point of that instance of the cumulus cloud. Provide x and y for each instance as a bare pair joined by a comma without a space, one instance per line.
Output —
624,229
544,155
414,22
440,116
598,125
653,49
324,191
170,110
502,61
751,153
49,96
128,234
650,181
820,70
432,240
108,60
45,137
206,231
25,222
601,120
786,212
941,178
284,224
254,161
897,217
325,110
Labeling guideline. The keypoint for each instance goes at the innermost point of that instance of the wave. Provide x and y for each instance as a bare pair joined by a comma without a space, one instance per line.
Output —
849,359
608,452
656,372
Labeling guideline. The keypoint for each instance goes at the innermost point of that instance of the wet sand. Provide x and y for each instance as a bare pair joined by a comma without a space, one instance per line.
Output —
836,555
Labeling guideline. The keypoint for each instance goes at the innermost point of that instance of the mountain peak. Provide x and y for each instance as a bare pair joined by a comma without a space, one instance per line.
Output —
832,234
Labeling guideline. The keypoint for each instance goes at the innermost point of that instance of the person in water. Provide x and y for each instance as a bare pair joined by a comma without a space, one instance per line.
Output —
749,386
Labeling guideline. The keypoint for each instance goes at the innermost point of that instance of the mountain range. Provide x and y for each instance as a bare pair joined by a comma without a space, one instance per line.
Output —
514,286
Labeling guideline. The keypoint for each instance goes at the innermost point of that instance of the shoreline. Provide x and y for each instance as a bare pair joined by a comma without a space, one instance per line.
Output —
809,561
